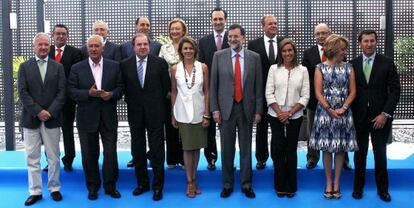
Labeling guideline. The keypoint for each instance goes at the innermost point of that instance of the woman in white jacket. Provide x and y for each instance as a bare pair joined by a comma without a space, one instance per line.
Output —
287,93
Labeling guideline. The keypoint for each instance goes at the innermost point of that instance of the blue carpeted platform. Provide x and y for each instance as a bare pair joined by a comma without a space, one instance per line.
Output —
13,187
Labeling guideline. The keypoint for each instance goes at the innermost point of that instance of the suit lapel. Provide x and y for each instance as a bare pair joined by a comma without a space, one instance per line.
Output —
49,72
375,67
229,63
360,71
105,74
213,42
36,72
246,66
147,71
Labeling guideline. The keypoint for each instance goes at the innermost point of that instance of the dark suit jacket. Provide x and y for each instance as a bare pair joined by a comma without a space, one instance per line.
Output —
311,58
258,46
381,94
90,110
149,100
36,95
207,47
127,49
111,51
71,56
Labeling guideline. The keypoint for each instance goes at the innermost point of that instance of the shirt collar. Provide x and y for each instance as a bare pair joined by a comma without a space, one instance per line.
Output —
241,53
216,33
62,48
266,39
45,59
93,63
145,59
372,57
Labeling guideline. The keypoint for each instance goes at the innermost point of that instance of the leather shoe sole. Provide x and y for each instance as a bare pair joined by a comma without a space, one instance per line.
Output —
157,195
92,195
32,200
226,193
249,193
385,197
140,190
56,196
114,194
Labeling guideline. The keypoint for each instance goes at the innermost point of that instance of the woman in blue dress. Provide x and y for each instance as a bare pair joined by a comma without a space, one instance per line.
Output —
333,131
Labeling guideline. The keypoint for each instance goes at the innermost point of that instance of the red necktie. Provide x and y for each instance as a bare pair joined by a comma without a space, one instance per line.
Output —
323,59
58,57
238,92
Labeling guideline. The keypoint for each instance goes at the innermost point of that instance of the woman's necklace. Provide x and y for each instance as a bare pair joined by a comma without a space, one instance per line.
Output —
193,77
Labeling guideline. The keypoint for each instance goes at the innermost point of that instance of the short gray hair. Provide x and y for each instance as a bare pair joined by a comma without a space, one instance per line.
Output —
41,34
100,38
100,22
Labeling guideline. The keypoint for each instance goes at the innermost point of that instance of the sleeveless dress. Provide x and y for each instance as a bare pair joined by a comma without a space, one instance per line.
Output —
189,107
328,133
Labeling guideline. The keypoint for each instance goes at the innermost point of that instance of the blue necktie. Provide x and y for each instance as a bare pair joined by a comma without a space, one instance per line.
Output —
141,72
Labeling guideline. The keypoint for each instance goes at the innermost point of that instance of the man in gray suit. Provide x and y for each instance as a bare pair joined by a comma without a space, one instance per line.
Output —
236,103
41,87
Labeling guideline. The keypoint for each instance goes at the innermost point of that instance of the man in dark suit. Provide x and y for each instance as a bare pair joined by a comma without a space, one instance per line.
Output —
111,50
208,45
267,47
41,87
236,100
96,86
378,93
312,57
67,56
147,83
142,25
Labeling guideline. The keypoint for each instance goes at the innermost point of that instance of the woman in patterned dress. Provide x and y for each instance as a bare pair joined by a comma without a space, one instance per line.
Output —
333,131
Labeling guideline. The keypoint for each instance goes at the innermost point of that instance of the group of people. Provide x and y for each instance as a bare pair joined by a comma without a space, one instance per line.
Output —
178,92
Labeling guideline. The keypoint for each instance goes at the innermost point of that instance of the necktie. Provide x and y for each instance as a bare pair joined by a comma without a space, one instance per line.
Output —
42,68
219,41
323,58
238,93
58,57
367,69
141,72
271,52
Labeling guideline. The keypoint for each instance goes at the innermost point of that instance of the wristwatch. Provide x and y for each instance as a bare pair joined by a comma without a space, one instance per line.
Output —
386,114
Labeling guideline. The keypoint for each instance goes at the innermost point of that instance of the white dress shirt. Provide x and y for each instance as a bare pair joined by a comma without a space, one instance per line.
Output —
97,70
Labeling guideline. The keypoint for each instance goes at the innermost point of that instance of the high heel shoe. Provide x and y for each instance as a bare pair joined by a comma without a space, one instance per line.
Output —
196,188
337,194
328,194
190,190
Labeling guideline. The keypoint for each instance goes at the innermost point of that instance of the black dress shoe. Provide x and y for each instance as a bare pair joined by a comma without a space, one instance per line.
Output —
93,195
226,192
290,195
131,164
249,193
56,196
157,195
46,168
310,165
140,190
280,194
32,200
347,165
357,195
260,165
114,194
385,196
68,168
211,166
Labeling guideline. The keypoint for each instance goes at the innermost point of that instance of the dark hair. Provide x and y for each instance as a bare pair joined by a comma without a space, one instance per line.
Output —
139,35
333,44
61,25
282,44
218,9
137,21
367,32
187,39
235,26
264,18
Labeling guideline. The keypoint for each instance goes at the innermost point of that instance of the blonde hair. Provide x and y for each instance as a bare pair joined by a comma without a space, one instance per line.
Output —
333,44
179,20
